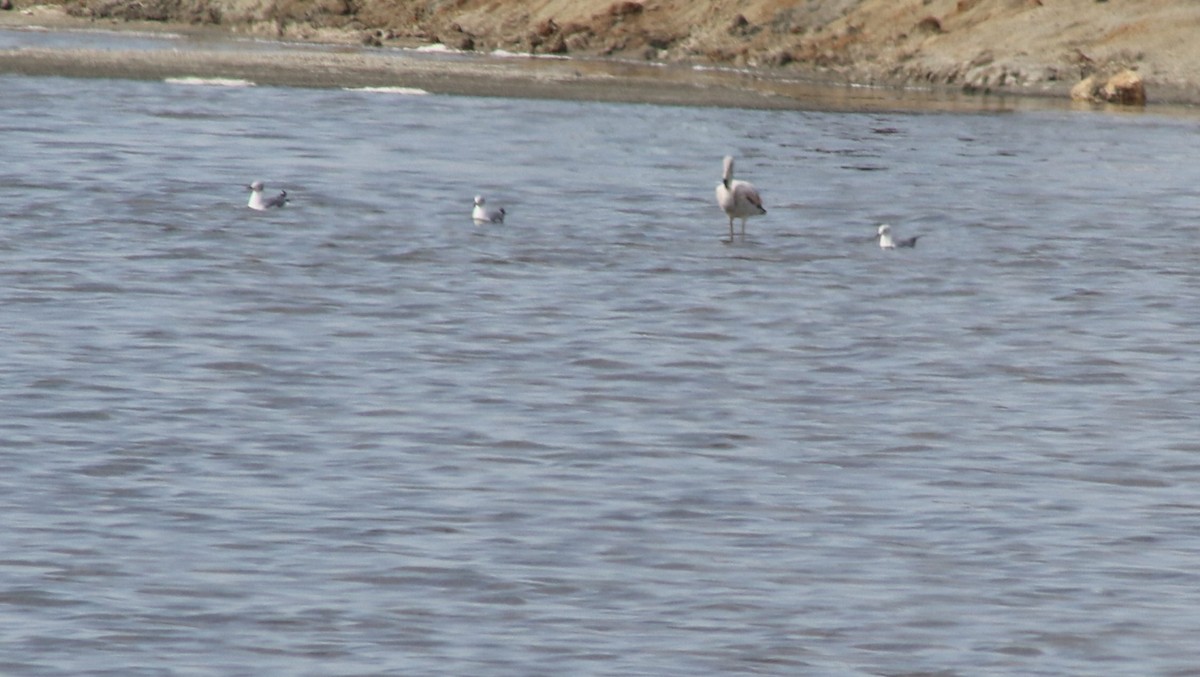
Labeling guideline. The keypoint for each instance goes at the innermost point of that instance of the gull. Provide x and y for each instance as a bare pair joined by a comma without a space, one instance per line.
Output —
884,235
484,214
257,201
738,199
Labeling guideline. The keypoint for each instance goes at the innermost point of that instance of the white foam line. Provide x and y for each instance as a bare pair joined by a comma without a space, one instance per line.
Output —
210,82
438,47
406,91
505,54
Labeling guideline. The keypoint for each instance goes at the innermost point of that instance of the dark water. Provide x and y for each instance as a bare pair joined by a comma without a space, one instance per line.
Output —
362,436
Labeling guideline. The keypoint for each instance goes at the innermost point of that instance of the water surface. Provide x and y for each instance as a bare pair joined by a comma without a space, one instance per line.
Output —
363,436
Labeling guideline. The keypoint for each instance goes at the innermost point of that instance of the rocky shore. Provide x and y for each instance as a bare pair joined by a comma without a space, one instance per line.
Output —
1011,47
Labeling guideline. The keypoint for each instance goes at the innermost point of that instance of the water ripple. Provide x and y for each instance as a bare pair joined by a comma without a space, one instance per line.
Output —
361,435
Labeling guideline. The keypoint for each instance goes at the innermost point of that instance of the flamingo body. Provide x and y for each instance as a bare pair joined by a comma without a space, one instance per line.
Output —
738,199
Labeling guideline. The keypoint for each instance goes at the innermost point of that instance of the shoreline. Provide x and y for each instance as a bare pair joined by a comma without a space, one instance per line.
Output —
339,61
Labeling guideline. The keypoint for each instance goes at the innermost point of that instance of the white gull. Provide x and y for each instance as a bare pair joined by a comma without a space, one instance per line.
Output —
484,214
257,201
884,235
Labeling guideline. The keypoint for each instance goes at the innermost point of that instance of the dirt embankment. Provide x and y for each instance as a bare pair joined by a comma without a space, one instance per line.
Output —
1034,46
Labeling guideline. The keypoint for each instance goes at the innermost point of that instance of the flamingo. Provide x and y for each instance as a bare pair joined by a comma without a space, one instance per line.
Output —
738,199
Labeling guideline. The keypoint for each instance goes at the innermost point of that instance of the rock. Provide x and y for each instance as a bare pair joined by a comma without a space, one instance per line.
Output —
782,57
578,42
6,5
460,40
557,44
1085,90
546,28
739,25
929,24
1125,88
550,38
625,9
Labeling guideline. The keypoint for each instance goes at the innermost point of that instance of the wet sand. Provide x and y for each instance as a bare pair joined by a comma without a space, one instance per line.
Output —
484,76
576,79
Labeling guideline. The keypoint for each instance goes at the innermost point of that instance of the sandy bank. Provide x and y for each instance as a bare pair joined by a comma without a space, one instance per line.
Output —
760,53
571,80
202,52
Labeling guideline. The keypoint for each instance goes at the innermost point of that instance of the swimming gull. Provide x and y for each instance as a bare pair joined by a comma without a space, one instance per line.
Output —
884,235
738,199
257,201
485,214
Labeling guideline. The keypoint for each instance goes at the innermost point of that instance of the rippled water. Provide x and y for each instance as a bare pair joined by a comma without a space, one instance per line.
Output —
363,436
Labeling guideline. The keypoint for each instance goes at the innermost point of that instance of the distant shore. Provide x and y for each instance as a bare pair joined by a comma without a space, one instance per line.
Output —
340,59
346,66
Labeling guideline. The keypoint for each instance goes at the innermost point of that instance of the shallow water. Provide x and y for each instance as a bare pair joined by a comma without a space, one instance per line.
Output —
364,436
